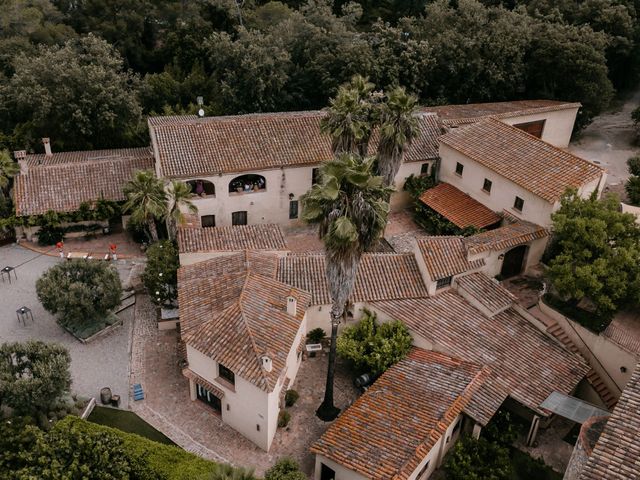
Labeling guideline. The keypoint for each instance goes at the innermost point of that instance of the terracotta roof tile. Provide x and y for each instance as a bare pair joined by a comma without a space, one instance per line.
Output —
380,276
446,256
529,162
458,207
472,112
490,294
616,455
231,238
526,364
62,187
508,236
190,146
389,430
234,315
57,158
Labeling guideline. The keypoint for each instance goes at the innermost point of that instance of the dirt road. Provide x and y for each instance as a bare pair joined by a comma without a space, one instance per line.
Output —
609,141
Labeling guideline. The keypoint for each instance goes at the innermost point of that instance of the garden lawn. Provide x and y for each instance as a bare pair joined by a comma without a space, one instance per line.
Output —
127,422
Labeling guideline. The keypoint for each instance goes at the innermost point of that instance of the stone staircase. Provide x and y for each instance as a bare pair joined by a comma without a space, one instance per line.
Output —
592,376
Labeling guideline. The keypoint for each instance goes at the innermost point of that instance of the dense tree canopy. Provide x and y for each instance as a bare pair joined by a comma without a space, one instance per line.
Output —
33,376
597,253
158,56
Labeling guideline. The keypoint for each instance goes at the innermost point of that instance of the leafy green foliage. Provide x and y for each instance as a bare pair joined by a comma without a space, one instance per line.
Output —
50,231
285,469
634,166
501,429
598,253
160,275
633,190
283,418
316,335
87,450
372,346
8,170
79,95
635,116
480,459
80,292
34,376
291,397
146,200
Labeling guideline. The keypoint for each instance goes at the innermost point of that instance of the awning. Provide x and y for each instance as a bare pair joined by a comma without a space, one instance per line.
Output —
572,408
458,207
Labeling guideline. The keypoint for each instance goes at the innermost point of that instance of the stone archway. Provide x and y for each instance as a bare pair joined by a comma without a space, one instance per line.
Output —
513,262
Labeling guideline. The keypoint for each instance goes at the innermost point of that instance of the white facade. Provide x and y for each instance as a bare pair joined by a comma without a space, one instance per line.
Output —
251,411
558,124
503,191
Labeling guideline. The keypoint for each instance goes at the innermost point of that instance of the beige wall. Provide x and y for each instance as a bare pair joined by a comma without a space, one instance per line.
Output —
246,406
557,128
503,191
604,356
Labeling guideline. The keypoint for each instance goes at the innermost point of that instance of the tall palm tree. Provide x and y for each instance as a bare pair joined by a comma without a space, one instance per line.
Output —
351,117
351,209
8,170
398,127
146,200
179,196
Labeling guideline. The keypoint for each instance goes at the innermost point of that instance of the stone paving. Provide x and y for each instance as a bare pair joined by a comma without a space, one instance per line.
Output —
196,428
101,363
98,246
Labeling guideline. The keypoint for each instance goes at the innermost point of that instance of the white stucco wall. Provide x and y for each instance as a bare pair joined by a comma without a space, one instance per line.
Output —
503,191
557,128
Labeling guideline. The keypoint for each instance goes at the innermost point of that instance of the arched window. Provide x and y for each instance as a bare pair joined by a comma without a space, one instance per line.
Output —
202,188
247,184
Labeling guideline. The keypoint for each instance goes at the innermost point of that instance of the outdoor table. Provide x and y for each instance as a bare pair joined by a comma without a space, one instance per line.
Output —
23,313
73,255
7,271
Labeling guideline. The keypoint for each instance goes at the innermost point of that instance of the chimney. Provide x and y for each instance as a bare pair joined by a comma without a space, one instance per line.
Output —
267,364
47,147
292,305
21,158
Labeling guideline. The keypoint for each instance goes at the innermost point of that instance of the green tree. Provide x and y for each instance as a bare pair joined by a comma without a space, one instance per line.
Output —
374,347
398,127
598,252
633,164
351,117
146,200
34,376
480,459
78,94
633,190
81,293
285,469
8,170
160,275
568,62
350,208
179,197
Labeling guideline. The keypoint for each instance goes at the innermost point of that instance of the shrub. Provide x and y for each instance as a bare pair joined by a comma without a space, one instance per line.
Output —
82,293
34,376
316,335
634,166
501,429
416,185
283,418
160,276
480,459
374,347
50,231
291,397
285,469
633,190
138,231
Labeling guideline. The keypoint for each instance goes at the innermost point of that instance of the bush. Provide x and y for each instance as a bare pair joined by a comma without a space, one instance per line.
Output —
283,418
34,376
634,166
50,231
285,469
374,347
480,459
633,190
316,335
138,231
416,185
82,293
83,444
160,276
291,397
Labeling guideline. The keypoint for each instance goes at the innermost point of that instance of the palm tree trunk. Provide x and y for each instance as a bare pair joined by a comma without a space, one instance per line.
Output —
153,230
327,411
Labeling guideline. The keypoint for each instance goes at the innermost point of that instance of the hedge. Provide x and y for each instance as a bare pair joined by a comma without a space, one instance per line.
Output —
170,462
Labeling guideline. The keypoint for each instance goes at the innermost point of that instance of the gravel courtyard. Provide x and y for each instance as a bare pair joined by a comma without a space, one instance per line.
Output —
101,363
